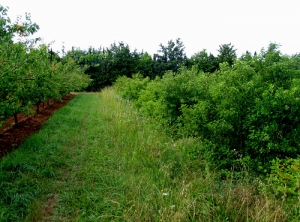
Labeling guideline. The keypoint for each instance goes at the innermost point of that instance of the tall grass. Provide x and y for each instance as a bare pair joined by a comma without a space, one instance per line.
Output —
98,159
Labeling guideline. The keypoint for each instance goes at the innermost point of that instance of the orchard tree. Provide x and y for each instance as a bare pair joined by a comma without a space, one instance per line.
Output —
29,74
14,62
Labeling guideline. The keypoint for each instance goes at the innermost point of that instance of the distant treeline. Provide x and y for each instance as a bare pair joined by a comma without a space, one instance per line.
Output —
104,65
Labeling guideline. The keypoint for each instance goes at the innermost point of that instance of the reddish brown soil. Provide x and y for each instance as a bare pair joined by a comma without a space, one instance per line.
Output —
12,135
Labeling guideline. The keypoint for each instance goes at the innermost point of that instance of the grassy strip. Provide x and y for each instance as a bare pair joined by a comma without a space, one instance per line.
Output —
97,159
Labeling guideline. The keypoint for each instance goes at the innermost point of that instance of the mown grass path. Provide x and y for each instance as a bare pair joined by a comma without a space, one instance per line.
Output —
98,159
95,160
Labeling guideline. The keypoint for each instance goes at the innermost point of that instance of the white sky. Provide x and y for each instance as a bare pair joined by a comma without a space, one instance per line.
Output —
144,24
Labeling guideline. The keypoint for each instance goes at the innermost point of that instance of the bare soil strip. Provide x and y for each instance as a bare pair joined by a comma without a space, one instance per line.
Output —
11,135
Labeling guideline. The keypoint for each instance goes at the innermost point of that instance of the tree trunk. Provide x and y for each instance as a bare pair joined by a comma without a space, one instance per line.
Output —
38,107
16,118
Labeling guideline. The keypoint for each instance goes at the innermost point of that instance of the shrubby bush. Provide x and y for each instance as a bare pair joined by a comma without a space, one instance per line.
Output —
130,88
284,177
247,113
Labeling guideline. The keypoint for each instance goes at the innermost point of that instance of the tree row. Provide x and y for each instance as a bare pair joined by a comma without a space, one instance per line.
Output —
30,73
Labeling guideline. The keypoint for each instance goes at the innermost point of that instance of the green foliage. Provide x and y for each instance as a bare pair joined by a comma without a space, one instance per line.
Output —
204,62
29,74
273,123
14,64
284,178
164,96
248,111
130,88
171,57
227,53
104,66
145,65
